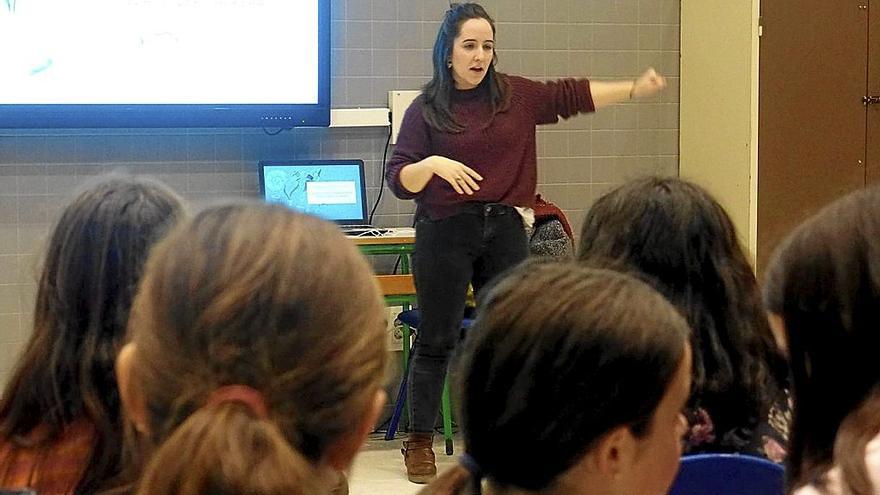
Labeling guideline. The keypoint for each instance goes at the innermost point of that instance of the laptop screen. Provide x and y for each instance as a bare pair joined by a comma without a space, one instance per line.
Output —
331,189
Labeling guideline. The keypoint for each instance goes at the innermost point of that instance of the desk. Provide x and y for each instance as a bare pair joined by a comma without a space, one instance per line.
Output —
402,245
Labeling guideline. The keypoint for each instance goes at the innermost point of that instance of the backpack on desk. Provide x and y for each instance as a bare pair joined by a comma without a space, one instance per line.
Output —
551,235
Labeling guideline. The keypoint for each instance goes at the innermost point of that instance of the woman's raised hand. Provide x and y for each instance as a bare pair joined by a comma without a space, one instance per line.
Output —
648,84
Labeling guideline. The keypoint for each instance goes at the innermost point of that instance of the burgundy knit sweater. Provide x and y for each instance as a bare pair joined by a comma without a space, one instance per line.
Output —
501,149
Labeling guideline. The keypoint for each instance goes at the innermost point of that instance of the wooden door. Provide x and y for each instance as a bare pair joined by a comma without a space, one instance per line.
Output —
811,119
872,134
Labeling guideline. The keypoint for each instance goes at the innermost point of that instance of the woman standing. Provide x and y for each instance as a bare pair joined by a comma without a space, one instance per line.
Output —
466,153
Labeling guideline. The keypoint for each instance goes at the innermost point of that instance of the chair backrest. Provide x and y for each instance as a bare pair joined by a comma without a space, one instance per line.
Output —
413,318
727,474
396,285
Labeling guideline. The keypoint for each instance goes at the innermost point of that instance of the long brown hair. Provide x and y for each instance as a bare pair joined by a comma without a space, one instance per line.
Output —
560,355
90,273
438,92
261,296
824,281
679,239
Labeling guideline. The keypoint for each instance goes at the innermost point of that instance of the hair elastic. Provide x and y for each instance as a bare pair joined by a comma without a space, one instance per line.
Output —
244,394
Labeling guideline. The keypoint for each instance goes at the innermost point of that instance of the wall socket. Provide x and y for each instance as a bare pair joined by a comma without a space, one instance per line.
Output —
394,334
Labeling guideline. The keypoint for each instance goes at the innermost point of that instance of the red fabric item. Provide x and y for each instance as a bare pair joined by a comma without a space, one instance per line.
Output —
53,469
501,149
248,396
545,210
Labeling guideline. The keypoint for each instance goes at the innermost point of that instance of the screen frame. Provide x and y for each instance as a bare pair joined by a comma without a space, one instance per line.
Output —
282,115
262,164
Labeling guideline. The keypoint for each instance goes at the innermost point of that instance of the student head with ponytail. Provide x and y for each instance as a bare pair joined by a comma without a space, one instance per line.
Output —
256,355
573,382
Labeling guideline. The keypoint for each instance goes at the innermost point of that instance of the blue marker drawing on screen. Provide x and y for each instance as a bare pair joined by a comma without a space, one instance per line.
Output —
331,192
29,61
289,187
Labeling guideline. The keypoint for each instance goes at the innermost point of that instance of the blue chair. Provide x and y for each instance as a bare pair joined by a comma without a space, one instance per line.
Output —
412,318
728,474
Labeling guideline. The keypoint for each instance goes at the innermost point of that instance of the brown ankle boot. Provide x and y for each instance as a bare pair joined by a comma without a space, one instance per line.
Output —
419,458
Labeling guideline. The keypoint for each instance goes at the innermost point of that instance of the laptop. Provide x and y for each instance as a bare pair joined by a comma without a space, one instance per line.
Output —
334,190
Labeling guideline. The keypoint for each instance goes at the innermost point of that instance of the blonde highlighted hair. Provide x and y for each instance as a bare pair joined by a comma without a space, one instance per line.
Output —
254,295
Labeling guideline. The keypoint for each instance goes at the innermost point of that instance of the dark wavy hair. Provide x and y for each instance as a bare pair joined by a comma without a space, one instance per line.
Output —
824,281
675,236
559,356
437,110
91,271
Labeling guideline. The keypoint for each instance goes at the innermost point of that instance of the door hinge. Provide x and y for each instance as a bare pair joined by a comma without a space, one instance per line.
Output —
870,100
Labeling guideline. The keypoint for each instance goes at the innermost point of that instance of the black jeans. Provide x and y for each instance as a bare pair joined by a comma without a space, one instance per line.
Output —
470,247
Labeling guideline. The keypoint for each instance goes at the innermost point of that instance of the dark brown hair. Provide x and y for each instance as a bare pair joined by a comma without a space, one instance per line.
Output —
92,266
438,92
675,236
824,281
255,295
560,355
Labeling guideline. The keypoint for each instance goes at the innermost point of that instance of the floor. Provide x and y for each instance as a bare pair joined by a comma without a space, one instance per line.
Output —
379,469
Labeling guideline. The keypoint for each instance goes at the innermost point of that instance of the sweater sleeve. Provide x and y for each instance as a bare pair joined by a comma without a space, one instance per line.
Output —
413,145
553,99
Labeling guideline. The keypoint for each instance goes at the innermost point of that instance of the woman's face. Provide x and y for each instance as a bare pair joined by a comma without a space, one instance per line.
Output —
472,53
777,326
656,462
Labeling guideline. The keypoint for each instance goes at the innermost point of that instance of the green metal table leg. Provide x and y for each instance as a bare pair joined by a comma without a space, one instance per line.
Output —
447,417
404,264
405,268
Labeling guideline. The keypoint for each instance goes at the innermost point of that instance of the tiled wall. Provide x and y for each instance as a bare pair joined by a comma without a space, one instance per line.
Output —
378,45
